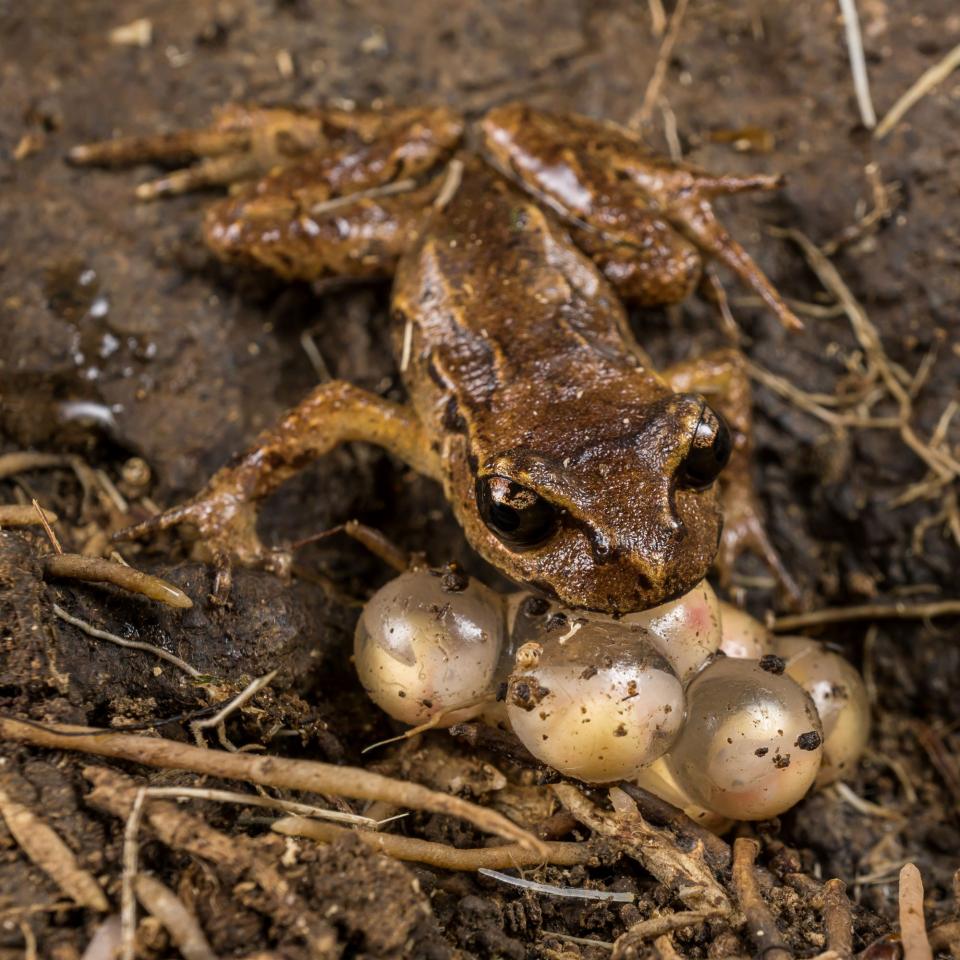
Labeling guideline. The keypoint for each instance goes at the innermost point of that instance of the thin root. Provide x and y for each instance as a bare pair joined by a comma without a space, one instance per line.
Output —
441,855
101,634
73,566
913,928
867,611
268,771
45,848
924,84
761,926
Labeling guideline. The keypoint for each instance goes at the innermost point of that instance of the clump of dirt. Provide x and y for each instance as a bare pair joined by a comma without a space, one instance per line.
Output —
128,349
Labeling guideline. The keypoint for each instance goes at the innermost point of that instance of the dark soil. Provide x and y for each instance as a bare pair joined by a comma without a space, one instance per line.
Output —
122,339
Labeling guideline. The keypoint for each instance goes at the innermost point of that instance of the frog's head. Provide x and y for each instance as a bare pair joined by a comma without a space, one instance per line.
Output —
617,517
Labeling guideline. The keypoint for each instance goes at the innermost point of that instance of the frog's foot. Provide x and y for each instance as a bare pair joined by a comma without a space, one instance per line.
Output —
685,196
241,144
226,526
743,532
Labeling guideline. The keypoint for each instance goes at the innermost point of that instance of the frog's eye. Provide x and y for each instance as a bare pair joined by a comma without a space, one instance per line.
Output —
516,514
709,451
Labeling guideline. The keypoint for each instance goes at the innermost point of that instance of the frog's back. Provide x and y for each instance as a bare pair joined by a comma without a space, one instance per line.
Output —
497,312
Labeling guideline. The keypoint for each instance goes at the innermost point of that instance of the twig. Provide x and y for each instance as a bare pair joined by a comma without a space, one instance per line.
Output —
161,902
373,193
672,136
761,926
100,634
73,566
258,800
29,940
128,900
652,93
682,870
858,63
929,79
818,311
837,918
315,357
913,928
407,344
376,541
448,189
441,855
943,759
866,333
307,775
243,697
866,807
236,857
581,941
882,210
867,611
658,17
20,461
112,493
665,814
665,949
45,848
47,529
21,515
655,927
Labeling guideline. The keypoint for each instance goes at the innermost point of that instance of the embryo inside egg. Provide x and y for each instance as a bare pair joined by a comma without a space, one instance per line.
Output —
693,699
595,700
429,642
741,635
841,699
752,744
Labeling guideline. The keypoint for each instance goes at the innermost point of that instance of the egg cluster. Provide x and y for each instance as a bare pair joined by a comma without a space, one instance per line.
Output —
694,700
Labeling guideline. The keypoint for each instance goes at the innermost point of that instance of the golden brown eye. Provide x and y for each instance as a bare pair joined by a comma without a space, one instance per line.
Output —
516,514
709,451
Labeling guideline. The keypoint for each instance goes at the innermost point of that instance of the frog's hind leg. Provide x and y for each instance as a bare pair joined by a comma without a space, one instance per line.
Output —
242,143
324,194
687,195
225,511
603,181
722,379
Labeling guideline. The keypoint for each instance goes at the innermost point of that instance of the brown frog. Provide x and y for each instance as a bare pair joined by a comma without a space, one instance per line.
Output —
571,464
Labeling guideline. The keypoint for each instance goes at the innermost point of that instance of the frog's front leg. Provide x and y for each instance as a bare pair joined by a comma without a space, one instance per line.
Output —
722,378
225,511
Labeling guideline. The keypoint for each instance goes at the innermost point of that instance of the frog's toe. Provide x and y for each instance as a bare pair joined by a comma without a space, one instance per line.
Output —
744,532
178,147
225,526
212,172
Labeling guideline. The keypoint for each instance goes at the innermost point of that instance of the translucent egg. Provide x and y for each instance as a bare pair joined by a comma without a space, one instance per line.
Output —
658,779
593,699
841,699
741,635
752,743
686,630
428,643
